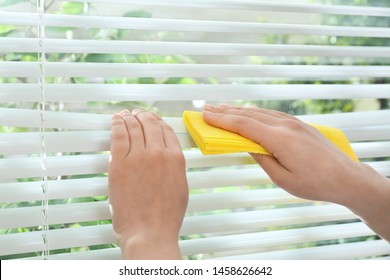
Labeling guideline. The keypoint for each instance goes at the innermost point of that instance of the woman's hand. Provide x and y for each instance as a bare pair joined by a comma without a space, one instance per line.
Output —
306,164
303,158
148,189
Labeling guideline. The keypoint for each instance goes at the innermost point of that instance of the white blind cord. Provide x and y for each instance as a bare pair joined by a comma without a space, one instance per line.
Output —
42,110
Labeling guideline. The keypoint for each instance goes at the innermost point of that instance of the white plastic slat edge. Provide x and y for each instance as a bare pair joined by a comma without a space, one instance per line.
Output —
329,252
185,48
93,211
365,249
98,186
83,121
103,234
31,191
273,6
212,26
11,168
97,141
275,238
100,69
138,92
189,25
73,188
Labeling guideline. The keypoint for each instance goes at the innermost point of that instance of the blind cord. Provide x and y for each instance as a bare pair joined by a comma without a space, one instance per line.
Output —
42,128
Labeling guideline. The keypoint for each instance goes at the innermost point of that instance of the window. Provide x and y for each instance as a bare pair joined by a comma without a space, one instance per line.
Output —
65,67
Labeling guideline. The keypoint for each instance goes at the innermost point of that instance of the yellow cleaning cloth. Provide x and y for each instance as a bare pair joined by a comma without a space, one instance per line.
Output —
213,140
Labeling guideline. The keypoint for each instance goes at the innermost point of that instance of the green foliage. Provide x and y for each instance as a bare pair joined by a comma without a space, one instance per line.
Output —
181,81
72,8
6,30
138,14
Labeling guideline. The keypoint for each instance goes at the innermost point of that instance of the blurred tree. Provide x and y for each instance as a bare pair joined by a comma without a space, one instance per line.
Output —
328,106
361,41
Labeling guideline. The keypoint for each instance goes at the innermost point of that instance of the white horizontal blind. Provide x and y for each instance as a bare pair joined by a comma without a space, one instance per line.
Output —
93,53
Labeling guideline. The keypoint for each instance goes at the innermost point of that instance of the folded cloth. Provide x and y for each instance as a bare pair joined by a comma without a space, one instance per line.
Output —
213,140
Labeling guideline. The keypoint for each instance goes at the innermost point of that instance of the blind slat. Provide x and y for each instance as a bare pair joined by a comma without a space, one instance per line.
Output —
185,48
114,254
242,199
328,252
273,6
213,26
372,149
18,18
73,188
365,133
59,189
138,92
97,141
273,238
94,141
59,214
94,211
29,167
59,239
190,25
70,188
375,248
69,69
83,121
103,234
102,254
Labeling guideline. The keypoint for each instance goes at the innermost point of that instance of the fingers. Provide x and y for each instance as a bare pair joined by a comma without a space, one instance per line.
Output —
247,127
252,114
120,142
143,130
260,110
134,129
270,117
151,127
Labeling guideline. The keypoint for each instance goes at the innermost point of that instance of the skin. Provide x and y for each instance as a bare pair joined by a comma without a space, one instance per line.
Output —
148,190
307,165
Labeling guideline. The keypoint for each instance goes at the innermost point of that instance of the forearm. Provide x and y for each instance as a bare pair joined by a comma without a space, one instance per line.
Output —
369,198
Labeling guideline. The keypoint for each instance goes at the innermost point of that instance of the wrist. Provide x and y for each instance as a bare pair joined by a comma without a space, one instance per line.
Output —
370,201
144,246
364,189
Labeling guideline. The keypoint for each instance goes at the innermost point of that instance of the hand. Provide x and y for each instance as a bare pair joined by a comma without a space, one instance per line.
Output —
303,158
306,164
148,189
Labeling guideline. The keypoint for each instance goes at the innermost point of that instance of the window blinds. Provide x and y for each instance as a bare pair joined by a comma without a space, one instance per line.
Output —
60,59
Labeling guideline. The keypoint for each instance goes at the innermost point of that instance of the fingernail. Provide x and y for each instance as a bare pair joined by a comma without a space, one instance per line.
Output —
124,111
116,117
136,111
